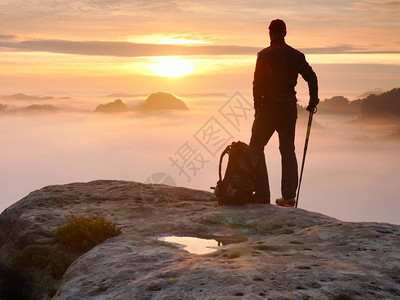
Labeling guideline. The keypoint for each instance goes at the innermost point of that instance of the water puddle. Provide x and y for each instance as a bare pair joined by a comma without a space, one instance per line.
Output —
200,246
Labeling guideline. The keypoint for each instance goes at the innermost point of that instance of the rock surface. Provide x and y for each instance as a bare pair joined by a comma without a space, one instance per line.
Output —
282,253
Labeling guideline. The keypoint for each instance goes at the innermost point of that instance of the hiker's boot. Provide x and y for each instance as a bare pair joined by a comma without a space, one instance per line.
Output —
286,202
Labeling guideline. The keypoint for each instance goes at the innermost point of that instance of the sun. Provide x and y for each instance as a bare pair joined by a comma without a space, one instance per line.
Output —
171,67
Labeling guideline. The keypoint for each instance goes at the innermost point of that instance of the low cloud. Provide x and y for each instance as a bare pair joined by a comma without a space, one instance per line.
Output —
128,49
345,49
378,5
7,37
123,49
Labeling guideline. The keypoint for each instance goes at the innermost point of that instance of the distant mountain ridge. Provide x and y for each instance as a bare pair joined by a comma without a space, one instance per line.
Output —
33,108
340,105
155,102
384,105
162,101
112,107
376,91
24,97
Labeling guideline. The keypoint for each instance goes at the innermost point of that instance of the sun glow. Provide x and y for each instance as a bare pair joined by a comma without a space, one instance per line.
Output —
171,67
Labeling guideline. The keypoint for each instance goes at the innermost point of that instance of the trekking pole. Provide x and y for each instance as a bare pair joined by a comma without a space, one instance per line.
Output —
305,151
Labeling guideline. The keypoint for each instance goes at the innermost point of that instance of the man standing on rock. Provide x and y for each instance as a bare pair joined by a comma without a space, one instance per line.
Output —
275,105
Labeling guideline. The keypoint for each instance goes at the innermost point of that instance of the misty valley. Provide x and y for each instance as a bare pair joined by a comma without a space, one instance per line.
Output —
351,170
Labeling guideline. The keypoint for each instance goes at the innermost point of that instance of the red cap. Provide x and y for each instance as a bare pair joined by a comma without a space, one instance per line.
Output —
277,25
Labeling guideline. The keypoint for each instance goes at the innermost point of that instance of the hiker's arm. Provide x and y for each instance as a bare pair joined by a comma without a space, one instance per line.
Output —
309,75
259,82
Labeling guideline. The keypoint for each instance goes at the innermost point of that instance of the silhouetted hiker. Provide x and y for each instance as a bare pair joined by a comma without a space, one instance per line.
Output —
275,105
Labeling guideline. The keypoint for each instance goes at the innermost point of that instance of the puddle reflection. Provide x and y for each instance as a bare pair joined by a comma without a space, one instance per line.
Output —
197,245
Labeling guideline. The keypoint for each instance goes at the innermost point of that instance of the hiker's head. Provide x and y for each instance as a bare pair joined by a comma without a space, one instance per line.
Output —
277,29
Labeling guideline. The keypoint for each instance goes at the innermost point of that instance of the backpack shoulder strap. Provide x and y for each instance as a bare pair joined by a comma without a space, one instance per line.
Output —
226,151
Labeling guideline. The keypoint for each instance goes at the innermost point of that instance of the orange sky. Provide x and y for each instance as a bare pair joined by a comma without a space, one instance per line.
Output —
129,46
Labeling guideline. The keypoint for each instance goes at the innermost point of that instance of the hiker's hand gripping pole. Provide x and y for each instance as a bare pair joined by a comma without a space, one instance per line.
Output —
310,117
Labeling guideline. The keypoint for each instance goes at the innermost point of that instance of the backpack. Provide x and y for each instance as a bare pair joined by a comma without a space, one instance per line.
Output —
239,182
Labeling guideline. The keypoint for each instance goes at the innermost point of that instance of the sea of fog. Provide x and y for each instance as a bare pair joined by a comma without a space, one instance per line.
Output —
350,173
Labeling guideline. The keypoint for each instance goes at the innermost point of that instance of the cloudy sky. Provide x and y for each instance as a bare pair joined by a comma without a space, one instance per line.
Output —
119,45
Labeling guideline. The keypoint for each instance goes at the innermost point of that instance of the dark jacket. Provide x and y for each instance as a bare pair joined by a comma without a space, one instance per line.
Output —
276,73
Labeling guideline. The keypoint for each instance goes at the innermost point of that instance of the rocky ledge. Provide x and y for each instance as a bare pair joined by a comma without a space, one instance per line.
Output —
269,252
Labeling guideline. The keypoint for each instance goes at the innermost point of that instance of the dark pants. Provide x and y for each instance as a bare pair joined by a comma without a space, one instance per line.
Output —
280,117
